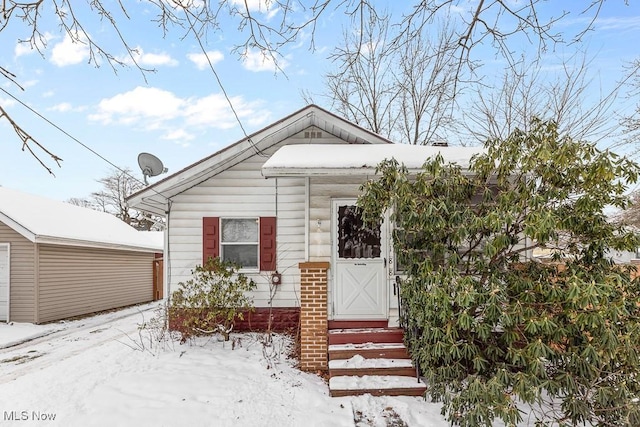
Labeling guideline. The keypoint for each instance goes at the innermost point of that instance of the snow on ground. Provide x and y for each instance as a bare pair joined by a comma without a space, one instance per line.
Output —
100,371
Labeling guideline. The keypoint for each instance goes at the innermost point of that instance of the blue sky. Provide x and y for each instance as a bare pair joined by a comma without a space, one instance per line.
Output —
179,113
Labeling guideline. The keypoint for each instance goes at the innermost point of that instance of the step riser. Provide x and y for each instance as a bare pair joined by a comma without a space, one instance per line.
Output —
363,337
360,372
356,324
379,392
342,337
394,353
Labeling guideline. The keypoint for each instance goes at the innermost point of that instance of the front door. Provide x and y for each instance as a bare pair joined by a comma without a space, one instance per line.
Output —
360,290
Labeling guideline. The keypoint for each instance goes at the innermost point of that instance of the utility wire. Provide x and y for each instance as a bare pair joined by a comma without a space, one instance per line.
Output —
102,157
217,77
85,146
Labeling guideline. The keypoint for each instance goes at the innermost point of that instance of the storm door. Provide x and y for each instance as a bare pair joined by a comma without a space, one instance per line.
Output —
360,291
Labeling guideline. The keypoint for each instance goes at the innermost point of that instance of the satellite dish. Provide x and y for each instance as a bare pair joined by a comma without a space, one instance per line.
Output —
150,165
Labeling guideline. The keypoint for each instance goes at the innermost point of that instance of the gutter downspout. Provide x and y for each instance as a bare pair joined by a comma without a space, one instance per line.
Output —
166,270
36,283
307,204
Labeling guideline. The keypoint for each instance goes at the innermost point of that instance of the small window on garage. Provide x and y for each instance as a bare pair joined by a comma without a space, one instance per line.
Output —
239,241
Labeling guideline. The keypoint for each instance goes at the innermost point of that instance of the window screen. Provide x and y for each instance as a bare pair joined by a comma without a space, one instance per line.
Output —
239,242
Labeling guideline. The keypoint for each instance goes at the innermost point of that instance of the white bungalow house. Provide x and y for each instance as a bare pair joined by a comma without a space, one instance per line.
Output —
280,202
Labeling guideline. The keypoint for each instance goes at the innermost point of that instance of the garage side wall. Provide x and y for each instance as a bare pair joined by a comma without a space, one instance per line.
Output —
21,282
75,281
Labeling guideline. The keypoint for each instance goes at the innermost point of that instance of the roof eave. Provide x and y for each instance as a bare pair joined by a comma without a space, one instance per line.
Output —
196,173
17,227
304,172
51,240
155,204
311,172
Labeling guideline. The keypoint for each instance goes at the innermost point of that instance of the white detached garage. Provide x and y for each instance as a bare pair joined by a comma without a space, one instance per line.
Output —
58,260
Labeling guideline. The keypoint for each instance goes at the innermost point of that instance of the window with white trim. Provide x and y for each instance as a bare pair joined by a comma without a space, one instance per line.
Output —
239,242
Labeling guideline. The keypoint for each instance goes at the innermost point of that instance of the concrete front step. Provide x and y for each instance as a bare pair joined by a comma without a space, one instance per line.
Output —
376,385
371,359
368,351
364,335
359,366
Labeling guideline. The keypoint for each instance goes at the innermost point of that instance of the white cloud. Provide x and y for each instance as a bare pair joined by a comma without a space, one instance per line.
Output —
65,107
29,83
626,23
23,48
149,59
200,59
214,111
257,61
460,10
139,104
68,52
268,8
153,109
180,136
48,94
7,102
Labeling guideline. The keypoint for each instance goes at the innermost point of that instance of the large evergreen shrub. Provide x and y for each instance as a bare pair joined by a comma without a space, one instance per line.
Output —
494,331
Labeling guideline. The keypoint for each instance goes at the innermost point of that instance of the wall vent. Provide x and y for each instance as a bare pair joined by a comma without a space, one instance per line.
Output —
312,134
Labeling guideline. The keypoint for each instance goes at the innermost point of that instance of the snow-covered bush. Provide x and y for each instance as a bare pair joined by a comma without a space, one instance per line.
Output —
211,300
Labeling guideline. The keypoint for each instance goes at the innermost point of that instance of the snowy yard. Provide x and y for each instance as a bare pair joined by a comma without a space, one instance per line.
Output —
94,372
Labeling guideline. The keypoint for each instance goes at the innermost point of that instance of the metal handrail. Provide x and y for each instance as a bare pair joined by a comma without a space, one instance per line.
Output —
404,323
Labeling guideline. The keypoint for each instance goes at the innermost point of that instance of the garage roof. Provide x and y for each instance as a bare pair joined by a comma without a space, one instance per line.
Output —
43,220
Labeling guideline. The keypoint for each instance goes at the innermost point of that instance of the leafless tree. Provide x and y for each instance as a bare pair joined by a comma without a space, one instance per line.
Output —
116,187
426,81
631,215
630,121
492,23
83,203
404,91
363,88
569,97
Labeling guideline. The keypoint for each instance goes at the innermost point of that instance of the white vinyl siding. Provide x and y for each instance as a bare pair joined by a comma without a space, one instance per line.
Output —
242,192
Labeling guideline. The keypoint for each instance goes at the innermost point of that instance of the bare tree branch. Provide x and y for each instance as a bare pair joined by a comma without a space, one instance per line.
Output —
28,141
576,103
269,26
111,198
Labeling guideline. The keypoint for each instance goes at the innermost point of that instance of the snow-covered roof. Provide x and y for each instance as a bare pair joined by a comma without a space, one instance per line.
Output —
155,198
321,159
43,220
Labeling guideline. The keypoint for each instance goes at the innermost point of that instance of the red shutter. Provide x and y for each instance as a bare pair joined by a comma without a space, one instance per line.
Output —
267,243
210,238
